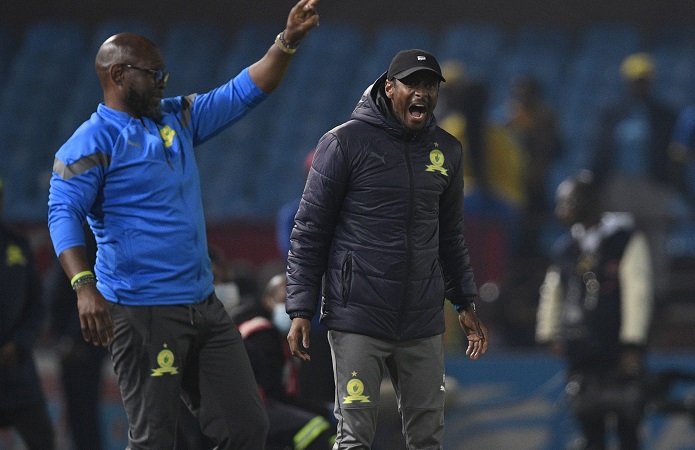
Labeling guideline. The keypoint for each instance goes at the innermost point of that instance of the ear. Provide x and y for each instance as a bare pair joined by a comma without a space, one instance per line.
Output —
117,73
389,87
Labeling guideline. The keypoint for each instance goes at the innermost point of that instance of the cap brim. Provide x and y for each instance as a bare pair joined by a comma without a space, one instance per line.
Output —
412,70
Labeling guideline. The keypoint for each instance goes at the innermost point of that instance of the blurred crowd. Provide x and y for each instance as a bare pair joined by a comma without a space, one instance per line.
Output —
641,161
640,155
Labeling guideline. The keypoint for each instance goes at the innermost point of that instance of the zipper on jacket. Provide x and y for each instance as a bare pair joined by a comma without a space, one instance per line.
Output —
408,241
346,275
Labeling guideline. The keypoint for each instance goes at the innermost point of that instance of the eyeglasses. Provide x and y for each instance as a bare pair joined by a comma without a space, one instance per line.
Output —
159,75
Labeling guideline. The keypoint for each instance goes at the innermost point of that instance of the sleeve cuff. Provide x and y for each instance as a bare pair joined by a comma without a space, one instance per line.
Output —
465,306
301,315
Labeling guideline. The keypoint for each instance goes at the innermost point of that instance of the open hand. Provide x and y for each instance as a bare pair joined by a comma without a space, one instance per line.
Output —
303,17
476,333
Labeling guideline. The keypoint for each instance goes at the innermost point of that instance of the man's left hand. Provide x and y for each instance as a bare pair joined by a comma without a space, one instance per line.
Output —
476,333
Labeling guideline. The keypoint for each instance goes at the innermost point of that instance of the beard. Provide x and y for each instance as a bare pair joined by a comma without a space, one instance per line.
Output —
144,105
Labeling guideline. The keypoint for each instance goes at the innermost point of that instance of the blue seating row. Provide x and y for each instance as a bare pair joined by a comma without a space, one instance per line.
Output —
48,87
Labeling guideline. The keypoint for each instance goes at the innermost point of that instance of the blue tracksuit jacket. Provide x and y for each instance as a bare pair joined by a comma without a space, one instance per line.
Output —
137,184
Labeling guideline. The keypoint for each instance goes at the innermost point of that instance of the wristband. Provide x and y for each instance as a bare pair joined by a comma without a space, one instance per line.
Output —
284,46
80,275
85,277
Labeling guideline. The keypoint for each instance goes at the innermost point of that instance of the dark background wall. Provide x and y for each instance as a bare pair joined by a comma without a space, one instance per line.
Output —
648,14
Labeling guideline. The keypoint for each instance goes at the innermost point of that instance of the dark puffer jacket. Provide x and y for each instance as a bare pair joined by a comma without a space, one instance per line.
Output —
381,220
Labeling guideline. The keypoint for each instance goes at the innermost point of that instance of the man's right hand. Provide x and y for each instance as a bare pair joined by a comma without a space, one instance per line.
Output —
95,319
299,332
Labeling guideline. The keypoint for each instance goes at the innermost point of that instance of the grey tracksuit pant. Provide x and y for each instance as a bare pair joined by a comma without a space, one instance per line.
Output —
416,369
195,352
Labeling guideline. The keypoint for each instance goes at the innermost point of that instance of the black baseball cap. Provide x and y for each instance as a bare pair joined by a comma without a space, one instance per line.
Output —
410,61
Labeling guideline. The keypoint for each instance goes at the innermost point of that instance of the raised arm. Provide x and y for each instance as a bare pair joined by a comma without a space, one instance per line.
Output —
269,71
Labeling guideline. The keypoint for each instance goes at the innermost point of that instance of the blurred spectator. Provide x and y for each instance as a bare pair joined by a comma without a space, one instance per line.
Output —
634,133
632,163
226,289
462,112
534,125
22,402
494,166
294,422
595,310
493,162
682,151
80,363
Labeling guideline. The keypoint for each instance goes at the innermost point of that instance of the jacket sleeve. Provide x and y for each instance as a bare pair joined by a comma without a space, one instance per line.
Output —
636,291
314,226
549,307
453,251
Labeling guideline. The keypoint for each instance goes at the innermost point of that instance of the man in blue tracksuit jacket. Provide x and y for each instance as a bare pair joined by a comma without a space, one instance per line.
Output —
130,171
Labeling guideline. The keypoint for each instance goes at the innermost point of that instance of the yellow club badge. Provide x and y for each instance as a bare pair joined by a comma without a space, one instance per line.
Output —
167,134
165,360
355,389
437,160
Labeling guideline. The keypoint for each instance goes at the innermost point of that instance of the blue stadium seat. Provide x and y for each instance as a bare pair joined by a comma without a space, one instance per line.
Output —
49,56
557,41
609,39
8,47
478,46
192,54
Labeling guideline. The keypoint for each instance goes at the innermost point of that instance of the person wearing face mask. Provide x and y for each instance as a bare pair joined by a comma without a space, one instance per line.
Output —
379,233
294,420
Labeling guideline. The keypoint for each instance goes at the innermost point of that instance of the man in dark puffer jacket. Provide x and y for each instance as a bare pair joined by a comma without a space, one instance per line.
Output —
381,222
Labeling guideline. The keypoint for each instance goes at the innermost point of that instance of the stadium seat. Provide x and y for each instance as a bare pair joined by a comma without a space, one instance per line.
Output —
478,46
192,54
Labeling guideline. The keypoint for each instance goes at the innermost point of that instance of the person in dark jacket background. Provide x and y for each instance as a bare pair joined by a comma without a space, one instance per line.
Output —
22,401
381,221
296,422
595,311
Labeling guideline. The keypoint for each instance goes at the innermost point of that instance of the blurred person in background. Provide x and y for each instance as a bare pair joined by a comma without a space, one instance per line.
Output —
632,163
295,421
223,278
682,150
130,172
633,136
595,311
22,314
80,363
534,124
379,233
501,222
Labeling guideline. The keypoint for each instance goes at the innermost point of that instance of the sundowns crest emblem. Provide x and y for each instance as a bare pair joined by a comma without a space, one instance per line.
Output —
165,360
437,160
167,134
355,389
